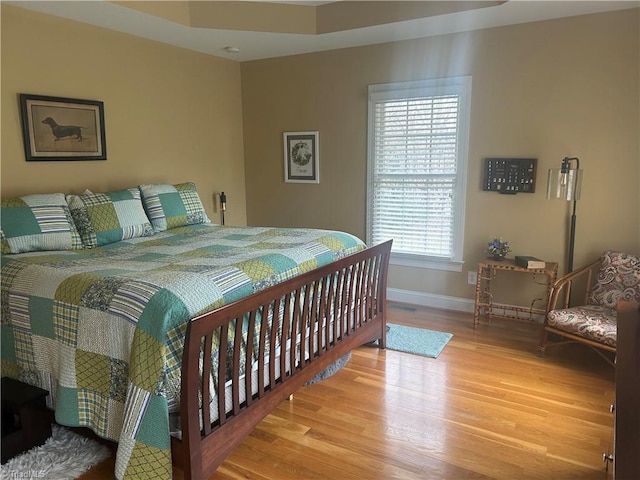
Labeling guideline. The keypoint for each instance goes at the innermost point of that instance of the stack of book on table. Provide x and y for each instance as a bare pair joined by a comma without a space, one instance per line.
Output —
529,262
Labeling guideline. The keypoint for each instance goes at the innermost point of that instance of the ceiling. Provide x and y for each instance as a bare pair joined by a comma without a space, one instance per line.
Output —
269,29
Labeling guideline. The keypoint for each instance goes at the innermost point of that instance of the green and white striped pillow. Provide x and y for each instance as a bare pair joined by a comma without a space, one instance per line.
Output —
171,206
37,222
104,218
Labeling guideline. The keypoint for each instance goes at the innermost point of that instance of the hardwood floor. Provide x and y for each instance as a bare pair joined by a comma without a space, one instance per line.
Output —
487,407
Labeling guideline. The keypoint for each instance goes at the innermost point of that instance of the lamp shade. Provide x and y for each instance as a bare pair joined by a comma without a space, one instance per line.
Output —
564,184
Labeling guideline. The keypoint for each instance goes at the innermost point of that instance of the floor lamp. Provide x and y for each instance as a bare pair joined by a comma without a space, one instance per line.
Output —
566,183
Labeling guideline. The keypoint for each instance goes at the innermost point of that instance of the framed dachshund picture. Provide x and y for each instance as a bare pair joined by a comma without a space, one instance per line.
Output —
301,160
56,128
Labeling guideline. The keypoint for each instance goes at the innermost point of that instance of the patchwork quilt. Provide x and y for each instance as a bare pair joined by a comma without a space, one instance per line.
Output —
102,329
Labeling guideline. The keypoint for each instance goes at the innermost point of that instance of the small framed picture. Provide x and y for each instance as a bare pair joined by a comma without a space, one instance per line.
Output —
301,157
56,128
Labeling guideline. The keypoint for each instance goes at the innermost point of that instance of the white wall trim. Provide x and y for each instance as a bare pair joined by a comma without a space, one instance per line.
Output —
430,300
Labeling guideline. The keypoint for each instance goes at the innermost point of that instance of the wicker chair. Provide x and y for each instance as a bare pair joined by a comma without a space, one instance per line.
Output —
591,319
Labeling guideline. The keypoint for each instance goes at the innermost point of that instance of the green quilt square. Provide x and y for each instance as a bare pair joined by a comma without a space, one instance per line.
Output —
67,407
149,462
149,354
19,221
93,372
176,221
103,217
156,411
41,313
109,236
118,195
7,342
172,204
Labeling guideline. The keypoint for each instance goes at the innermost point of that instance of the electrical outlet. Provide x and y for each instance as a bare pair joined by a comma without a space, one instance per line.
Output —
472,277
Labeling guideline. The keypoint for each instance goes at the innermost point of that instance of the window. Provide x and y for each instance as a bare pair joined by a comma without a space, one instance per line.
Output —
417,168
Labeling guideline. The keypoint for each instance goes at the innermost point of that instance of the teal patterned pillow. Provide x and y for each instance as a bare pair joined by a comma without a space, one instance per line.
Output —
37,222
104,218
171,206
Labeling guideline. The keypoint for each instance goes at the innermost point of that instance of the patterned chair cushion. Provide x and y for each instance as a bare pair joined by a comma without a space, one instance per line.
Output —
171,206
37,222
618,279
593,322
104,218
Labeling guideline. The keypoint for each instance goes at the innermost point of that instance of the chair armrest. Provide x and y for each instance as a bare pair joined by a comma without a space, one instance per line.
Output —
565,284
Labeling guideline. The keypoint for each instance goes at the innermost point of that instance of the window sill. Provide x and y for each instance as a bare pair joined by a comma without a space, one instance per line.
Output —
420,261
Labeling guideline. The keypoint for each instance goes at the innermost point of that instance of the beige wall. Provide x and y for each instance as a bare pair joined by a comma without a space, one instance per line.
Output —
567,87
548,89
171,115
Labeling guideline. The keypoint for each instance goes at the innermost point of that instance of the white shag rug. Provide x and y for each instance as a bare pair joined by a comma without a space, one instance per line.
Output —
64,456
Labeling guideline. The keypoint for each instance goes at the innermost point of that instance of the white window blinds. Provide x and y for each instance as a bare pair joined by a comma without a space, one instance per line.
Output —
417,165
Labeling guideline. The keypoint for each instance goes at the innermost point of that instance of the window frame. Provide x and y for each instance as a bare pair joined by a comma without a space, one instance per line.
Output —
458,85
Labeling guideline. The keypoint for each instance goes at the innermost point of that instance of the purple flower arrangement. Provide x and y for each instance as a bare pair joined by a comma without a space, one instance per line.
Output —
498,248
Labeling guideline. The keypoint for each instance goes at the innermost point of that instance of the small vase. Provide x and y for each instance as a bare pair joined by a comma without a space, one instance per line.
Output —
497,258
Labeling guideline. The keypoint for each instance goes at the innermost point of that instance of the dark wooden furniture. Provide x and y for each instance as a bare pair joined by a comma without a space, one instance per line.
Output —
484,301
26,423
323,313
626,456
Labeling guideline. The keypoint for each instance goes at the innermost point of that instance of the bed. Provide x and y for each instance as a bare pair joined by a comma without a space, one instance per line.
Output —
213,325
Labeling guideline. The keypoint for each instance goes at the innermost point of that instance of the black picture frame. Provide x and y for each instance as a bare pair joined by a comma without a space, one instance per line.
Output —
301,158
62,129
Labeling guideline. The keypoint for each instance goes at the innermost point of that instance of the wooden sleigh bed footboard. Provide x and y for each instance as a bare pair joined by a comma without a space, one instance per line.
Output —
245,358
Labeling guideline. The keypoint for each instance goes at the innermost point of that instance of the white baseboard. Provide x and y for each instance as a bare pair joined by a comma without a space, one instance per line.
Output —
430,300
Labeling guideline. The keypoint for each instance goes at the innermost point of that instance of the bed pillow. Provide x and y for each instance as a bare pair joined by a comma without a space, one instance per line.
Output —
171,206
37,222
104,218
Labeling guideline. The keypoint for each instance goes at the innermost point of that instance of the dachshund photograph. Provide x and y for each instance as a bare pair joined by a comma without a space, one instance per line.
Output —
61,131
57,128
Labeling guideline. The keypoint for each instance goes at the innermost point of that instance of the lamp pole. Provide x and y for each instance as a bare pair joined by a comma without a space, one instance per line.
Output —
566,166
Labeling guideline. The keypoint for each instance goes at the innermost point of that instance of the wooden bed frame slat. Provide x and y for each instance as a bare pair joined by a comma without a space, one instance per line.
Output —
206,373
347,308
250,334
